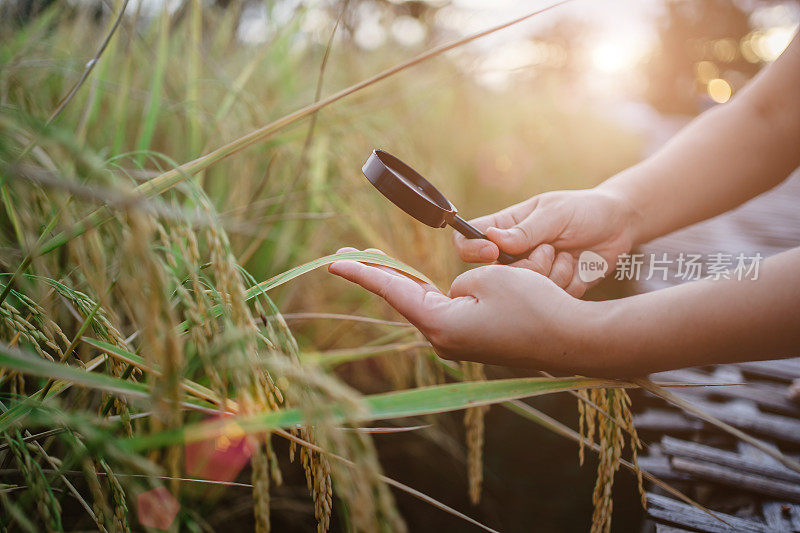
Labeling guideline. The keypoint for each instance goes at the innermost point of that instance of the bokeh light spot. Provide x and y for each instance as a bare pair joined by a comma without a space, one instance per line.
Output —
706,71
747,50
408,31
157,508
222,457
719,90
725,50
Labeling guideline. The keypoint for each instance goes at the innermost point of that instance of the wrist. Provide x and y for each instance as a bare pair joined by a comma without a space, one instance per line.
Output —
629,212
602,345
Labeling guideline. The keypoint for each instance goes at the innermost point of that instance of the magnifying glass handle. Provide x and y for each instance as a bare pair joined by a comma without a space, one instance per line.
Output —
471,232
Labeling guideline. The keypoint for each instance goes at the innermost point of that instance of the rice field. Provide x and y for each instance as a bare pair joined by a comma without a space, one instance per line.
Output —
170,350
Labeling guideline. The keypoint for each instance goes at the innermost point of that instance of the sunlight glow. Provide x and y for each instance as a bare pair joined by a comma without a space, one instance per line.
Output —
617,53
610,57
770,44
719,90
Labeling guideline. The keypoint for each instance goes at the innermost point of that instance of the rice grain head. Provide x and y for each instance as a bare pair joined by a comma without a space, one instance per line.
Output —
475,434
611,431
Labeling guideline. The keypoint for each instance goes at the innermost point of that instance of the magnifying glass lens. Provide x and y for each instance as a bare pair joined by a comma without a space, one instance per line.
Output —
413,185
418,197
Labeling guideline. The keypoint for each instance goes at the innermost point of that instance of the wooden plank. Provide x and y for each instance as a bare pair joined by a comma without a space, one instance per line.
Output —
768,396
660,467
771,396
751,453
775,426
795,516
662,528
668,511
663,420
783,369
684,375
740,480
700,452
782,516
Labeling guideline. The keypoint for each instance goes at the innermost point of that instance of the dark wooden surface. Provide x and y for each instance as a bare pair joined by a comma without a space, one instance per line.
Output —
711,466
669,511
747,488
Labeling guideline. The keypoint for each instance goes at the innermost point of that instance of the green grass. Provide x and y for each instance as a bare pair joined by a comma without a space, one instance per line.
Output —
155,230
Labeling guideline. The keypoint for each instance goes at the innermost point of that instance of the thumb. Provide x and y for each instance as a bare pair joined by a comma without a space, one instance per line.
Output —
539,227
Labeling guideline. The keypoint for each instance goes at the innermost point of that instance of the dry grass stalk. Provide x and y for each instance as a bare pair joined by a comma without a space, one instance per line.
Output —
193,301
318,480
261,481
145,284
102,511
120,523
474,423
256,388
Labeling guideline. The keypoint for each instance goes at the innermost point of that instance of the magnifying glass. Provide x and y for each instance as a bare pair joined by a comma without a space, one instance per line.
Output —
412,193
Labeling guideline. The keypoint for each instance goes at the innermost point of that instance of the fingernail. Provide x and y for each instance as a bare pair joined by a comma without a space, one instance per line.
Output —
337,267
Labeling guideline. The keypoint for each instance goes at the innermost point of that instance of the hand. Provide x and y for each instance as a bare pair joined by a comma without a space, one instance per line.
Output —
493,314
557,226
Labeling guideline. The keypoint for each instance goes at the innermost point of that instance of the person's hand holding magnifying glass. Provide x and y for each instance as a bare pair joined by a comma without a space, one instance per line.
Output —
553,229
546,233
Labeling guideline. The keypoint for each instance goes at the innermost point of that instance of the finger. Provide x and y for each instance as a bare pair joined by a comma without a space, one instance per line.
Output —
409,298
346,249
576,287
476,250
562,270
473,283
540,260
351,249
540,226
465,284
388,269
504,218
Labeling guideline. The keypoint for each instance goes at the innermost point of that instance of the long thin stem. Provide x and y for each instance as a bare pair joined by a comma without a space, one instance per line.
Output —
27,260
86,71
317,95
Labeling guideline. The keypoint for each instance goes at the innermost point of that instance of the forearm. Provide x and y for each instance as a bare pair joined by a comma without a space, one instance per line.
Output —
722,159
700,323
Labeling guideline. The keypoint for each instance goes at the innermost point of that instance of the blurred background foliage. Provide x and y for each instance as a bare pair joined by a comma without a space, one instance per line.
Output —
563,102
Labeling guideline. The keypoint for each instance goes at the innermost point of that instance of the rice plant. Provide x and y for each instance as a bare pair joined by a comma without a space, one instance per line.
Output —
138,319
